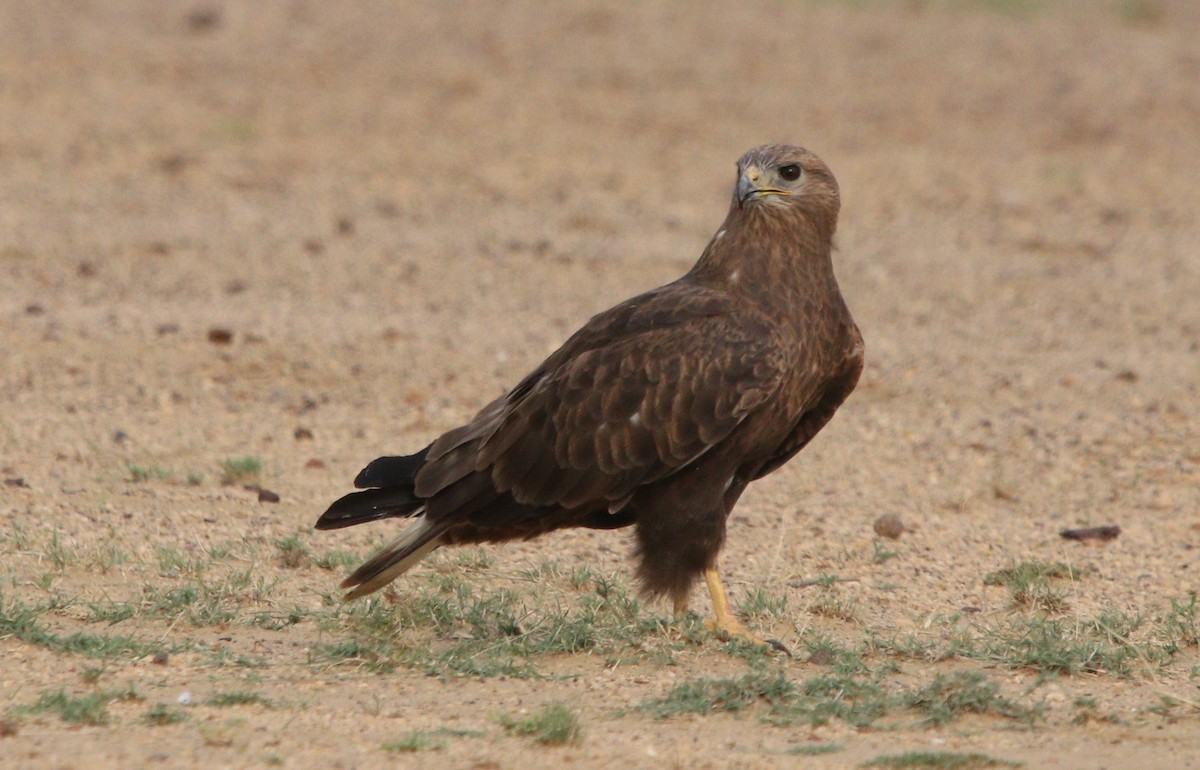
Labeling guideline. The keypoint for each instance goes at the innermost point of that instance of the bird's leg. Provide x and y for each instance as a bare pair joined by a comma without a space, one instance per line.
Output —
723,622
681,608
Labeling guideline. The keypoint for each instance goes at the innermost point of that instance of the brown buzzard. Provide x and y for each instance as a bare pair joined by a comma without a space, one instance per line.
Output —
657,413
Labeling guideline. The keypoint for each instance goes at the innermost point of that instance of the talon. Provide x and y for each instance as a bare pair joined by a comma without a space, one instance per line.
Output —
780,646
724,624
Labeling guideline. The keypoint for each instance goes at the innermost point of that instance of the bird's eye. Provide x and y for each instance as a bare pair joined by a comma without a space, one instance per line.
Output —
790,172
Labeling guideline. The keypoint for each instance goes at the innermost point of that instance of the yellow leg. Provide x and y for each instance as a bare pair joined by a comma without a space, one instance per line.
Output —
724,623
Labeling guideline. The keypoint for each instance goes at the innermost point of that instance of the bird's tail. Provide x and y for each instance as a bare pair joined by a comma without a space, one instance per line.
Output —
394,559
370,505
391,471
393,479
393,494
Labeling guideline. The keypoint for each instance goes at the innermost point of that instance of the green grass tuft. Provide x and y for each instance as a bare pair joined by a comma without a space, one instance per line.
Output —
947,698
239,698
733,694
417,740
141,473
162,714
334,560
939,760
849,690
759,603
235,470
1051,646
292,552
428,740
90,709
22,622
554,725
1029,583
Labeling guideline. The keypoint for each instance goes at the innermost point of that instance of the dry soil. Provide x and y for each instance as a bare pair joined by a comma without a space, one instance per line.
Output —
396,209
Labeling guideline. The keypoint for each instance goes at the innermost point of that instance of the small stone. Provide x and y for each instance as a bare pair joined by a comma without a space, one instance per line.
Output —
171,163
202,20
267,496
160,658
1092,534
821,656
302,434
889,525
220,336
315,463
185,698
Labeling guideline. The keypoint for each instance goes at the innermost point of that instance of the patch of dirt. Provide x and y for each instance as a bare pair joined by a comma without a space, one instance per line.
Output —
271,241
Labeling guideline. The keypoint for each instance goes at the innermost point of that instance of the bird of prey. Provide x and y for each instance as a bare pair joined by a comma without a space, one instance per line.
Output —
657,413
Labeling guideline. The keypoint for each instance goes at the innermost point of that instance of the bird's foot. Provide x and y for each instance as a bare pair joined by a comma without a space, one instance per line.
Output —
724,624
730,629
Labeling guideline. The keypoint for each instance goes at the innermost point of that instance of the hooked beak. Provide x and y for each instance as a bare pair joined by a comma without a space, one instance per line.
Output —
748,188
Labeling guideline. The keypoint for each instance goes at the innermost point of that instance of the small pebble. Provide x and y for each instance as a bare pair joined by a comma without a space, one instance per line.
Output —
1092,534
822,656
203,20
160,658
185,698
889,525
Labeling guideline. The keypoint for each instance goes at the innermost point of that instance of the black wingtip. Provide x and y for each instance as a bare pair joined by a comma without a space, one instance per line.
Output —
369,505
391,471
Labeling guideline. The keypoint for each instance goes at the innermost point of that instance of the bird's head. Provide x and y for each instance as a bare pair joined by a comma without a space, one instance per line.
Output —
776,178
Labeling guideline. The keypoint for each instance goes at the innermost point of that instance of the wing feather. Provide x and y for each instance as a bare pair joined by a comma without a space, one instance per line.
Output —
640,392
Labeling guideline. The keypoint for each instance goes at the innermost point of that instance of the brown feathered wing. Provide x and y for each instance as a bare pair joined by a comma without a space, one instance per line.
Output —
640,392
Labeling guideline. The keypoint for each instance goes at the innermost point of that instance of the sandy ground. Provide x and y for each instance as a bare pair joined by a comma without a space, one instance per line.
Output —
398,209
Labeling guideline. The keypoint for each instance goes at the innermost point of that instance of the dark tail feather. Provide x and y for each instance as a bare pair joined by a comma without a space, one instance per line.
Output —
391,471
388,482
370,505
